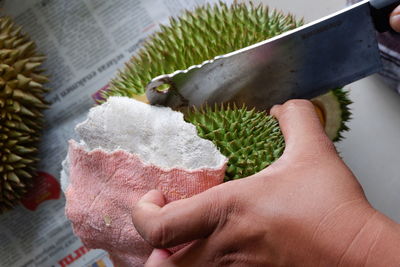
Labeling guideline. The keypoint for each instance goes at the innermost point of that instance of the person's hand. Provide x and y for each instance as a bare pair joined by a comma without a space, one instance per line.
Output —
395,19
306,209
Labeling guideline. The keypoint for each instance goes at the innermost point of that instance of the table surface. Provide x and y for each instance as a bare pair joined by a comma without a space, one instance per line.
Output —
371,148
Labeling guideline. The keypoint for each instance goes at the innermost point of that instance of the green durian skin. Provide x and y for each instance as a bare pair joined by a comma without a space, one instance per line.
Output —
198,36
250,140
21,106
249,149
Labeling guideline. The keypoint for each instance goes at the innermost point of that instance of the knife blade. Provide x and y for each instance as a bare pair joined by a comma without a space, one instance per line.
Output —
303,63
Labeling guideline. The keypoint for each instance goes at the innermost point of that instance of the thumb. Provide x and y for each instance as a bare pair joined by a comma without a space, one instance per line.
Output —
180,221
301,127
395,19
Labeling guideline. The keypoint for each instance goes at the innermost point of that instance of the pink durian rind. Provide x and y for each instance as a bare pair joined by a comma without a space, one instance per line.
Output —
104,187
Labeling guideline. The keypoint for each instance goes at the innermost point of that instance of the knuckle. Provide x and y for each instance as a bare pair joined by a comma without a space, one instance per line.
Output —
230,256
227,207
157,235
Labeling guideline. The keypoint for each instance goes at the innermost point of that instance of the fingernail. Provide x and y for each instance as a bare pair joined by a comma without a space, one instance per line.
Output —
275,109
395,22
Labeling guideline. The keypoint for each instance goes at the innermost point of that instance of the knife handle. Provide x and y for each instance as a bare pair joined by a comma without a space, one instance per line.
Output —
381,10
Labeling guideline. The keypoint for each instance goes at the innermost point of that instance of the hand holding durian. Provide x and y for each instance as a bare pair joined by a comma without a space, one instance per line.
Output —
306,209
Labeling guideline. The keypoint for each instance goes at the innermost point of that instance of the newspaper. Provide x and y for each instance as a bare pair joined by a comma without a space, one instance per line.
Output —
86,42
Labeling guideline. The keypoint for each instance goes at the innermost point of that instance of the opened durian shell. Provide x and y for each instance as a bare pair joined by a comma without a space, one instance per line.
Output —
202,34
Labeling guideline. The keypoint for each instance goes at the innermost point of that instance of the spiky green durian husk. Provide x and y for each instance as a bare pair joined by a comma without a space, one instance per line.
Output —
197,36
21,105
201,35
249,149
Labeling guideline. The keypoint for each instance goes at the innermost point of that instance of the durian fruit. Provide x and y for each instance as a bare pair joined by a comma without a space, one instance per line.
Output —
201,35
197,36
21,105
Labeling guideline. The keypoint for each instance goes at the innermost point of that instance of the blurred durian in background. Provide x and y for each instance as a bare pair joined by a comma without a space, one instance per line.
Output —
21,105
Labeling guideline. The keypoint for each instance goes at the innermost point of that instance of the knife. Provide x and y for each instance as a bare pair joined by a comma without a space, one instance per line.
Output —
303,63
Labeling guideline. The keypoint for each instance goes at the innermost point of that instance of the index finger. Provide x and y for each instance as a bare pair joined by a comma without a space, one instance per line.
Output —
180,221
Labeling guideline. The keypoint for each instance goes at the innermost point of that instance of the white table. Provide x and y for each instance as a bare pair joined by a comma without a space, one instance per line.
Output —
372,147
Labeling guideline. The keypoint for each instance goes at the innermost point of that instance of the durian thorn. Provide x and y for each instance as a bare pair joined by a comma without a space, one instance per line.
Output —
9,167
11,176
13,158
8,73
34,84
39,78
23,173
25,150
24,96
11,143
8,186
5,52
23,81
27,161
20,65
27,112
39,59
20,126
32,66
26,47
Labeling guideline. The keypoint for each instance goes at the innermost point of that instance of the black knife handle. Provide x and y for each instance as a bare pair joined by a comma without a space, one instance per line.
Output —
381,10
